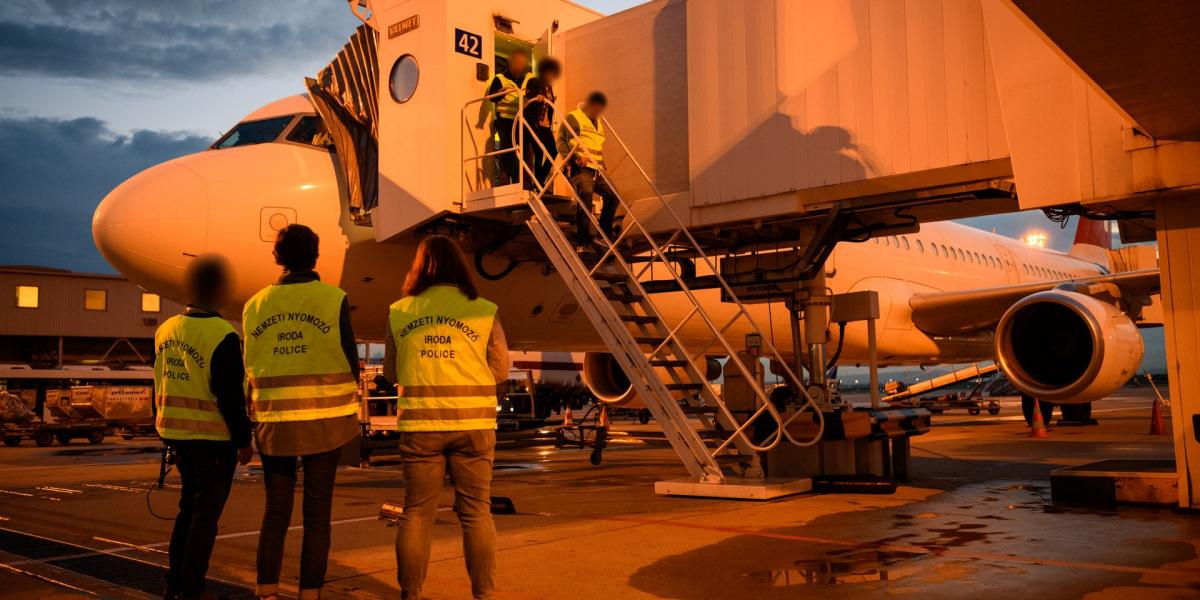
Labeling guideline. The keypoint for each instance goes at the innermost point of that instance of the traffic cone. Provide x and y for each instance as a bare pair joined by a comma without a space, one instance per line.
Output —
1038,427
1157,427
603,421
567,420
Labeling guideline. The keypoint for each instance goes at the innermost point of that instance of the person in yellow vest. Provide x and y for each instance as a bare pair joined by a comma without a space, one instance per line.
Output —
200,412
582,138
445,351
505,109
302,372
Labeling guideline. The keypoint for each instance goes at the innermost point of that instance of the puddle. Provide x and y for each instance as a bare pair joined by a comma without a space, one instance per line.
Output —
853,566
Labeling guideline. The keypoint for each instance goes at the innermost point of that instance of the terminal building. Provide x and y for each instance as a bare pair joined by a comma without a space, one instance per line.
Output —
59,324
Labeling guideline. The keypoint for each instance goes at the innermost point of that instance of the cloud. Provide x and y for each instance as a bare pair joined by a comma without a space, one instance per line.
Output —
55,172
193,40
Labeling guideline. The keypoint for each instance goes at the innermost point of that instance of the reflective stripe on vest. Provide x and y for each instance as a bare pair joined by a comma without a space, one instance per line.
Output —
443,379
295,365
508,105
590,143
185,407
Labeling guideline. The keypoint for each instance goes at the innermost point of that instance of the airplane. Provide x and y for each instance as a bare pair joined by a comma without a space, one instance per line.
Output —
1063,326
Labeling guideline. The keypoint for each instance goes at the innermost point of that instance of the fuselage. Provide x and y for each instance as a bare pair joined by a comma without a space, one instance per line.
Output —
231,199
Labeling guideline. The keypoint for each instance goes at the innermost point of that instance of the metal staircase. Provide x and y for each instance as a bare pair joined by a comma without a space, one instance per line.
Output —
648,347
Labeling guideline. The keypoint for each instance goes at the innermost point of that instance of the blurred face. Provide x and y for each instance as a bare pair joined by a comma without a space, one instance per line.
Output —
593,110
517,63
549,77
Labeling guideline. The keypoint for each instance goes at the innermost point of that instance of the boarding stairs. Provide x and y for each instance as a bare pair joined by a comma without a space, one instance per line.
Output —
667,374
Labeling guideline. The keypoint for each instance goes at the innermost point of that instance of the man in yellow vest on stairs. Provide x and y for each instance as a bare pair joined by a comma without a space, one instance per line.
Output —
446,352
302,370
512,81
582,138
200,413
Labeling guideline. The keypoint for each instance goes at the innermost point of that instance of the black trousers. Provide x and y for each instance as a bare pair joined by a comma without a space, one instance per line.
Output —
539,162
206,470
587,182
506,164
279,474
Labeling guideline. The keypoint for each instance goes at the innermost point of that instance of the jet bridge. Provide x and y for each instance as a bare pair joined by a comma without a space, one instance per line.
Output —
807,125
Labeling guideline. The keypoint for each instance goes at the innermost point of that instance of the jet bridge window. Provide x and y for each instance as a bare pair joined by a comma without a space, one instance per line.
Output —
254,132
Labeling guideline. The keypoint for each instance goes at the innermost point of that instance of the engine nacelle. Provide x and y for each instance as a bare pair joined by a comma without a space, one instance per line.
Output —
1064,347
609,384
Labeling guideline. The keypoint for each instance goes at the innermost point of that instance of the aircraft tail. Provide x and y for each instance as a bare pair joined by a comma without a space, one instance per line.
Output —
1092,241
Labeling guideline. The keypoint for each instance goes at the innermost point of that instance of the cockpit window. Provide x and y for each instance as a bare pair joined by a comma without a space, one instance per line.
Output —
310,130
254,132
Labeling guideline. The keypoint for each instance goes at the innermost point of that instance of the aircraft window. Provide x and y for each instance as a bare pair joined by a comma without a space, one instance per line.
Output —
920,246
254,132
961,255
977,259
933,249
905,240
310,130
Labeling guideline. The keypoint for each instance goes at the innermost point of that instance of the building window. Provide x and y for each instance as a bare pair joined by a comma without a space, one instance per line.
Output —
95,299
27,296
151,302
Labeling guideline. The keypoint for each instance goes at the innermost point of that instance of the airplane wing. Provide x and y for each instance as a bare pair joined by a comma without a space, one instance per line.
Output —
949,313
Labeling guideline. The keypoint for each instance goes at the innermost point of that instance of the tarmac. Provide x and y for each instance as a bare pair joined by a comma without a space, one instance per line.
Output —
976,522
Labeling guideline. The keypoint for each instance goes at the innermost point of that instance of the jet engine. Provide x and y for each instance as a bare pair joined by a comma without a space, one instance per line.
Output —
1065,347
609,384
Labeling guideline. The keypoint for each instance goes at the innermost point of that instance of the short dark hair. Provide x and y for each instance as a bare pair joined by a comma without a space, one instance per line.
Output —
518,52
296,248
549,64
439,260
597,98
206,280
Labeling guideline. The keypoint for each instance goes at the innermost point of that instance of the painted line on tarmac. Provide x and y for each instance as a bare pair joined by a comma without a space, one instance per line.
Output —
1015,417
119,488
50,488
49,580
238,534
16,493
1189,574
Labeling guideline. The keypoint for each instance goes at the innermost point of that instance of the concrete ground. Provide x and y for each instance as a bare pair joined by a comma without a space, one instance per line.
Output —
977,521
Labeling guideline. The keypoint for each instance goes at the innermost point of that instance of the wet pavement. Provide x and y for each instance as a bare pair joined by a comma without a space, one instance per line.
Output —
976,522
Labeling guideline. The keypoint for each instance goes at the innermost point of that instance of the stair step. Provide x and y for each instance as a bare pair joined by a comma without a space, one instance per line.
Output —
688,409
684,386
650,340
640,319
616,296
669,362
610,276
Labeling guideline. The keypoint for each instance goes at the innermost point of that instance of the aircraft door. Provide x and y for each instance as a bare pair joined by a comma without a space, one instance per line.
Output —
545,44
1009,264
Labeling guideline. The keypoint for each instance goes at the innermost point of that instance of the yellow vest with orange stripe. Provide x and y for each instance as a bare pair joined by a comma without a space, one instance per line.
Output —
185,407
508,105
295,365
443,379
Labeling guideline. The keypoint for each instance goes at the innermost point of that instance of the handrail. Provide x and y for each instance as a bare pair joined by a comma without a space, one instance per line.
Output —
791,375
517,137
765,403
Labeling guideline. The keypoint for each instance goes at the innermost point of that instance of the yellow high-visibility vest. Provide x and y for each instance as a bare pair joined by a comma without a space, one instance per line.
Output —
443,379
590,143
295,365
509,104
185,405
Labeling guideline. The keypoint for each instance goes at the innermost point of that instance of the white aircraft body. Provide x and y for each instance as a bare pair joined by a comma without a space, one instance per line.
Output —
944,292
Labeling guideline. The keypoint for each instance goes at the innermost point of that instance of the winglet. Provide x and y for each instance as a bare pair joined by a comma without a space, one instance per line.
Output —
1092,241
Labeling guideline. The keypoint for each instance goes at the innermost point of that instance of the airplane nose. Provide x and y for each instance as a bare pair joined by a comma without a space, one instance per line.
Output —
150,226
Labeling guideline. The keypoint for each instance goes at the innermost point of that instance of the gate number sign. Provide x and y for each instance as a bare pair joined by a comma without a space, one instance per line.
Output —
468,43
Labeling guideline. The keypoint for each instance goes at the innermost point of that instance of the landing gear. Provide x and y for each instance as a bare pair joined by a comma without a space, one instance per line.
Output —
1027,403
1077,414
